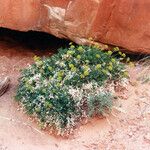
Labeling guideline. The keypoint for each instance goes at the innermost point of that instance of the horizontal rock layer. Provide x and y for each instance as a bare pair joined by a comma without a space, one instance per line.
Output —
124,23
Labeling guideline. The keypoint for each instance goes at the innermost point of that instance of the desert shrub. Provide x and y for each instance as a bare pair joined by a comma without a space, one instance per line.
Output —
63,89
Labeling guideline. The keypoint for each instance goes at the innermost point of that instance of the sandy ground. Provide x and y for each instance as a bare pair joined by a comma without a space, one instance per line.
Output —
128,129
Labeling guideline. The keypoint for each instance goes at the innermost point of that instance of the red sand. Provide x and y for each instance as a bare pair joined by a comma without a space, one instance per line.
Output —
129,129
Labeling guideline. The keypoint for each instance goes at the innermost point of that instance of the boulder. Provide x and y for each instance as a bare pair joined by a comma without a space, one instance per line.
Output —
124,23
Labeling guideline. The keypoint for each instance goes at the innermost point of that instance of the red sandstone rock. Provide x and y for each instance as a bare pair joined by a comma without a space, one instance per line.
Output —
124,23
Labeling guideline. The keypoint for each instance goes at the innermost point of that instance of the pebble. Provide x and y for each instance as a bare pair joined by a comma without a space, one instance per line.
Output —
147,137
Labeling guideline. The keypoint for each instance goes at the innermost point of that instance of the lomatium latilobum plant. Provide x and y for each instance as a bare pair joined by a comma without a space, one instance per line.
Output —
71,85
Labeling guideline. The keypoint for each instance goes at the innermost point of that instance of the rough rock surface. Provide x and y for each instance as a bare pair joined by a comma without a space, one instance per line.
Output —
124,23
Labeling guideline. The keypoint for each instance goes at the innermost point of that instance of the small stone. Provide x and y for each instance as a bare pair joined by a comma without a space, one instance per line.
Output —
147,137
130,134
4,84
56,145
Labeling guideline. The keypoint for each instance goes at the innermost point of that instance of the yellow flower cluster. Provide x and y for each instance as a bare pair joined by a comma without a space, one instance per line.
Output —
78,56
71,65
60,73
85,72
113,60
36,58
73,68
86,67
110,68
80,49
38,61
72,46
50,68
96,45
126,74
98,66
70,52
82,76
116,49
58,84
97,56
28,86
122,54
109,53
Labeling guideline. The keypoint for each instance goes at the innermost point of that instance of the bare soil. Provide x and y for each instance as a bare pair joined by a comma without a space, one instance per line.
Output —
126,129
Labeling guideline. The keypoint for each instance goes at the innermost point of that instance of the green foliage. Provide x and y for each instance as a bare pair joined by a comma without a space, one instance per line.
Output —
99,104
66,87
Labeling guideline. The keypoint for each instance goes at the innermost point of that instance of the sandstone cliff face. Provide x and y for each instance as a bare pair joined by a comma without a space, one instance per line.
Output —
124,23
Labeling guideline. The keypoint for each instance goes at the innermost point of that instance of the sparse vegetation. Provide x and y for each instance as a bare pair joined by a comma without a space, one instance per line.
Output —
144,76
